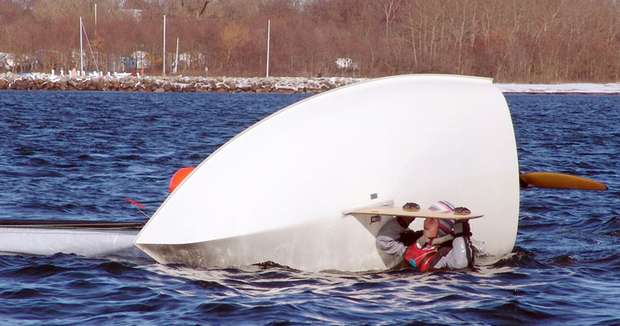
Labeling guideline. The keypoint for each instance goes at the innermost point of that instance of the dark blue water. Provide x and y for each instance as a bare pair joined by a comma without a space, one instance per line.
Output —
80,155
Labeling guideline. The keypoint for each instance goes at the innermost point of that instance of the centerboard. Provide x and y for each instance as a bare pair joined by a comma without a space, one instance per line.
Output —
422,213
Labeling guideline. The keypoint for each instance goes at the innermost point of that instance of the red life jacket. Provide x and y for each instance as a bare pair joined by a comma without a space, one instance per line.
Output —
419,258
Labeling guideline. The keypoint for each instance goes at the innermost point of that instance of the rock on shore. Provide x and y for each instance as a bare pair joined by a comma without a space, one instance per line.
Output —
39,81
174,84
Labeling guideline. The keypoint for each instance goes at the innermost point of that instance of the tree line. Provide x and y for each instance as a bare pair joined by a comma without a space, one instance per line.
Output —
509,40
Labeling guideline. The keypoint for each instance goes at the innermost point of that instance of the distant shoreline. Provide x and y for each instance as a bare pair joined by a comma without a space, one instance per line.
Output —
158,84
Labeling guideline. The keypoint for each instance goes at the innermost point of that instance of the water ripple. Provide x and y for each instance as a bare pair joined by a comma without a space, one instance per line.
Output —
80,155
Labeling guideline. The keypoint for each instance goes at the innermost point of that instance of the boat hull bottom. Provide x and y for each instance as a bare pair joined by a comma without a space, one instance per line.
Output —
105,239
342,244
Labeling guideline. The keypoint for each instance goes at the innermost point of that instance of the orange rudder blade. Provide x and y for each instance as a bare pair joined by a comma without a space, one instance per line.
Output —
560,181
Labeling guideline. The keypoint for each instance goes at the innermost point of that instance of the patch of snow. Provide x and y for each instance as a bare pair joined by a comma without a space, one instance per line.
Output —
121,74
580,88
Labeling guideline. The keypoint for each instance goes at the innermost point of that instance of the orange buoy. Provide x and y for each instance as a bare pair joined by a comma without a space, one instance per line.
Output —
179,176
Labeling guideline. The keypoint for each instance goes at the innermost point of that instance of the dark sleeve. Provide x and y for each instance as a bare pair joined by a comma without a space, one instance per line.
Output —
409,237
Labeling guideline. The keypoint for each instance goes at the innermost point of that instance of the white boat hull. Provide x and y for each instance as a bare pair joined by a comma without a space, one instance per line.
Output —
408,138
52,237
326,244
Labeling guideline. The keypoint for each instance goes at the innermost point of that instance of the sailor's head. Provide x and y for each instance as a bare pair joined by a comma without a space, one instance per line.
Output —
437,228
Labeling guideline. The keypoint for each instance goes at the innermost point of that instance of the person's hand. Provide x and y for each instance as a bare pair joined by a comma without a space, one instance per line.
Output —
409,237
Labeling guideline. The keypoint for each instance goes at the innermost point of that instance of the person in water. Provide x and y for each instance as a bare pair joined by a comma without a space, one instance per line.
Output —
393,239
442,244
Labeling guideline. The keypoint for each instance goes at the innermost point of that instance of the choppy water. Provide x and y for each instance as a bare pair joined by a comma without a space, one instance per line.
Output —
79,155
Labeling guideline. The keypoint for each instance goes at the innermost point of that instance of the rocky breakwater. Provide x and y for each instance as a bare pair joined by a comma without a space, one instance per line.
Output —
173,84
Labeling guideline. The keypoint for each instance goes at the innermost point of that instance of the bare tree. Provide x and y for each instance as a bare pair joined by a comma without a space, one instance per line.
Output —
518,40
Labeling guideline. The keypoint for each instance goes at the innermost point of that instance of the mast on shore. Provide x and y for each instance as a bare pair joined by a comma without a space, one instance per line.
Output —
176,58
81,48
268,39
163,68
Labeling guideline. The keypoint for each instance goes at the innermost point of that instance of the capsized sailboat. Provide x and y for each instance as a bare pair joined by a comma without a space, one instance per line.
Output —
281,190
278,190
